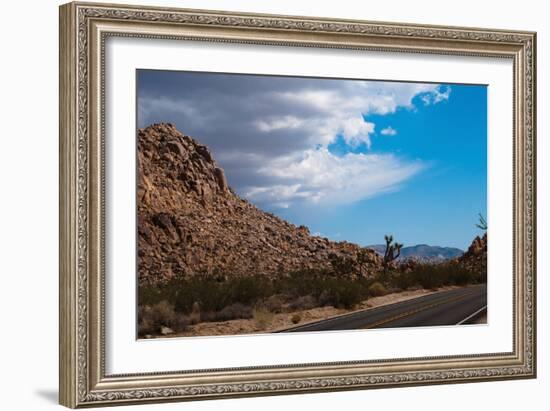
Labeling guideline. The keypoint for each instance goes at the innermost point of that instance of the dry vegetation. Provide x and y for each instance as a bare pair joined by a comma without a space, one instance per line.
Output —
281,321
183,303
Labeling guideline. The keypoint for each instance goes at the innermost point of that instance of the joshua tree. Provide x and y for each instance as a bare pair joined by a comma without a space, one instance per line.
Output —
393,250
482,223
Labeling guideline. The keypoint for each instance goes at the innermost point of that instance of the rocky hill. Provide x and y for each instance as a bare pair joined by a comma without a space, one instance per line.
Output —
475,258
191,222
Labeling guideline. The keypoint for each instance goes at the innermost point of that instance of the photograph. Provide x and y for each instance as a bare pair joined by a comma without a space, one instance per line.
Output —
286,204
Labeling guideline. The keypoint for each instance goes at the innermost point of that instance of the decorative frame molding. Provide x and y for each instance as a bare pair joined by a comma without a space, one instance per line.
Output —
83,30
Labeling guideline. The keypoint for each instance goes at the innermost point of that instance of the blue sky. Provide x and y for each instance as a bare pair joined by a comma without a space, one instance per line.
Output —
351,159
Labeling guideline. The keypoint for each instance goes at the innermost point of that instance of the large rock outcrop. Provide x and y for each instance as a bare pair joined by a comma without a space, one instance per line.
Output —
475,258
191,222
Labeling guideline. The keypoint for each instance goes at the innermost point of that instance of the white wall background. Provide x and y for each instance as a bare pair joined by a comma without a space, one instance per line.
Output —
29,189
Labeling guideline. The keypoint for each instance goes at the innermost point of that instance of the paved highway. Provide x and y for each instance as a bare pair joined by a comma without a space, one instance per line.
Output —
458,306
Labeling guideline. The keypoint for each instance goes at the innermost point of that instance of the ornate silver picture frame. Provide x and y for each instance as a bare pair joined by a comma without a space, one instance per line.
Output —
84,30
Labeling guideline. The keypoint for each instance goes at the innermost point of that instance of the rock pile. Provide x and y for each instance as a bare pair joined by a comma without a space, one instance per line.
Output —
190,222
475,258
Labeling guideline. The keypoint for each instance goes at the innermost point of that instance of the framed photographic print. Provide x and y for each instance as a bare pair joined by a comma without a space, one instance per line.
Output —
259,204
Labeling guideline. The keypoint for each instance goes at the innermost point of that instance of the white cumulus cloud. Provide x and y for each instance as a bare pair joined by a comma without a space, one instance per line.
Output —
272,134
388,131
320,177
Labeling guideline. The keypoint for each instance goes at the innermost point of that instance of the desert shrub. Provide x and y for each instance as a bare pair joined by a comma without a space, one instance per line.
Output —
234,311
148,295
326,298
324,287
210,293
299,283
384,277
348,294
303,303
145,323
274,303
341,293
231,312
377,289
296,318
152,318
248,290
195,316
162,313
403,281
183,301
206,298
432,276
181,323
460,276
262,317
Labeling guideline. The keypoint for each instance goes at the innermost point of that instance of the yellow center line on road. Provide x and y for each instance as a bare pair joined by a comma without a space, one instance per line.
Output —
422,308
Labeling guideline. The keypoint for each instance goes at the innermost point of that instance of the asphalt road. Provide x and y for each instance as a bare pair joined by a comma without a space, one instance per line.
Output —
459,306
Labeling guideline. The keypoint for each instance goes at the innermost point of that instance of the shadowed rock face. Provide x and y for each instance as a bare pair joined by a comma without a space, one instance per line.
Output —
190,221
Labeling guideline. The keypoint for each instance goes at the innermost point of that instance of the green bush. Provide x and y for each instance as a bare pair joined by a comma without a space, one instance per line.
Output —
209,293
248,290
325,287
431,276
348,294
404,280
377,289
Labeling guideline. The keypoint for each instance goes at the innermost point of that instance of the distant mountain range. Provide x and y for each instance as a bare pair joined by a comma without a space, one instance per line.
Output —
423,252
